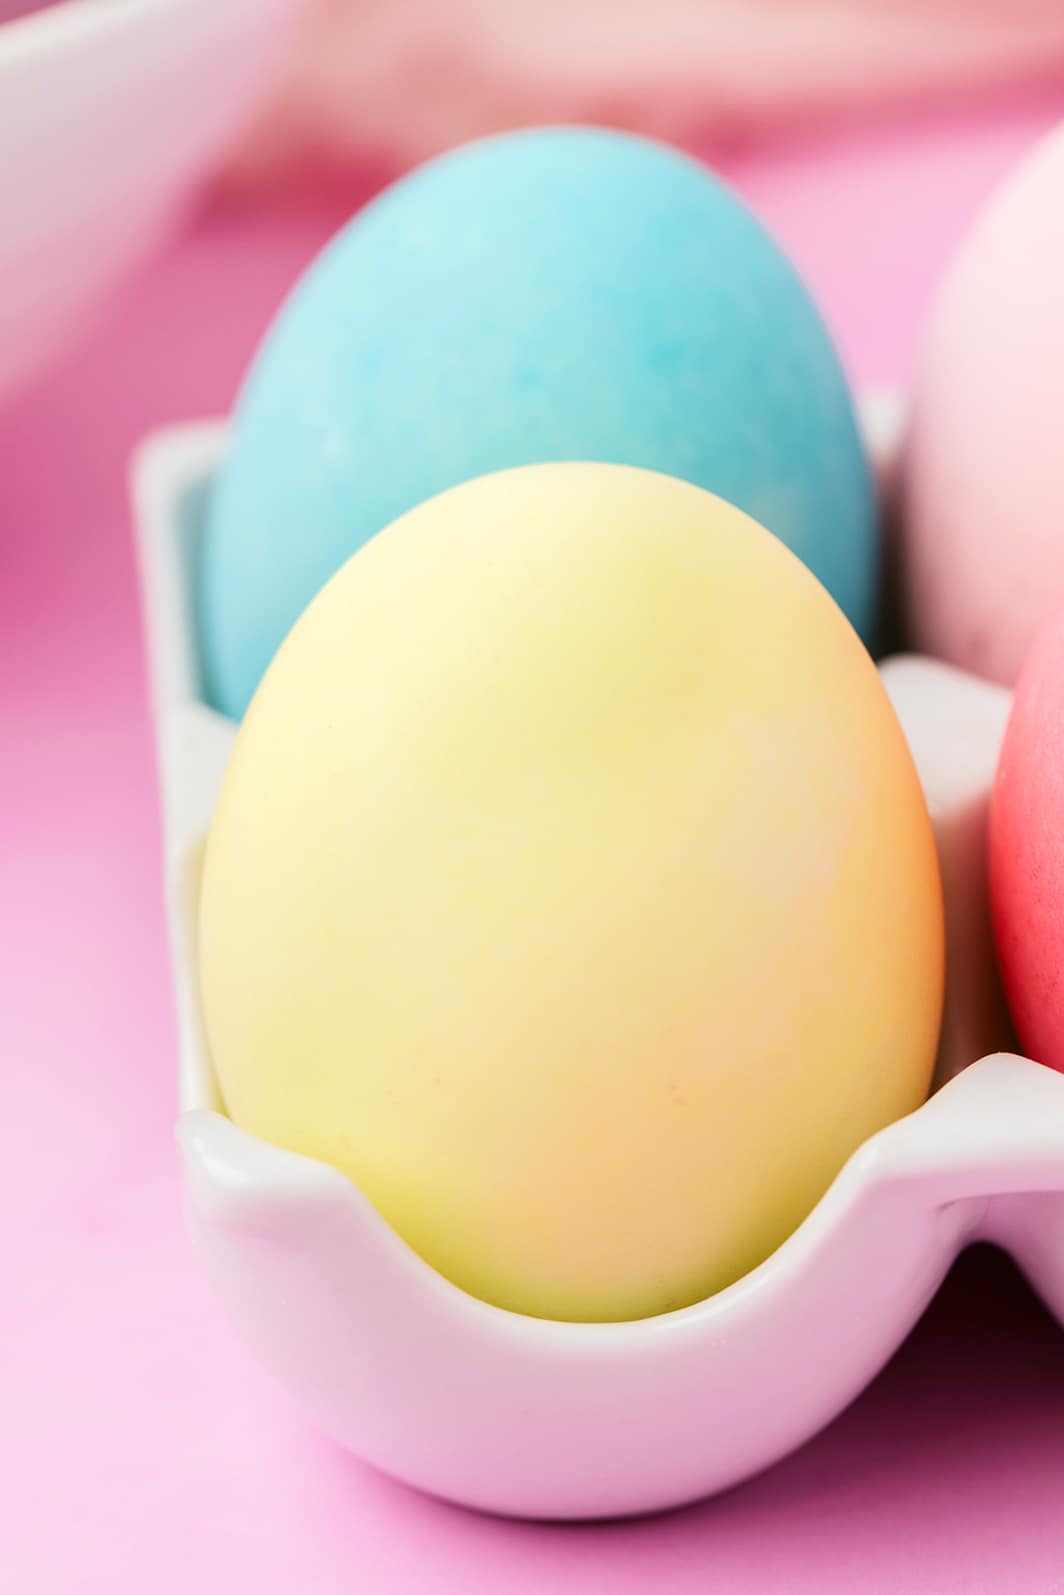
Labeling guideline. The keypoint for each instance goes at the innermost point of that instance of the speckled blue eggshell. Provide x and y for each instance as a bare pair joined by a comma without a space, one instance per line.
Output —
561,294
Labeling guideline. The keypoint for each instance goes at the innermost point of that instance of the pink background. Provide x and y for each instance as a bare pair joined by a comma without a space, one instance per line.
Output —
142,1452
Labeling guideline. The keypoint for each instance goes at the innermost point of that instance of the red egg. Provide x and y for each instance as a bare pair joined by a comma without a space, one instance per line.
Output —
1027,850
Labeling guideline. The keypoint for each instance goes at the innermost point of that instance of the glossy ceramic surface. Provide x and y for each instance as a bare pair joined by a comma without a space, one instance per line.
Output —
109,112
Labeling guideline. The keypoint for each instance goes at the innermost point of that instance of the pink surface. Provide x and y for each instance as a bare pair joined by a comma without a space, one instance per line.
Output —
142,1449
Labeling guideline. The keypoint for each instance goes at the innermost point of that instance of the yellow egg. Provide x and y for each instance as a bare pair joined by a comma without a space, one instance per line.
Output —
572,890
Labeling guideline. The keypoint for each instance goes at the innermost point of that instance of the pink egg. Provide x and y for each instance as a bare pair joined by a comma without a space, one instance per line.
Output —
982,544
1027,851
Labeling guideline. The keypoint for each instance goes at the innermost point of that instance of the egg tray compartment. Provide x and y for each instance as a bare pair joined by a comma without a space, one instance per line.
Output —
534,1418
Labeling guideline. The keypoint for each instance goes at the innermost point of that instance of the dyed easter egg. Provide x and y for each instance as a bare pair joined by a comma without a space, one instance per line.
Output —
562,294
1027,850
983,472
572,890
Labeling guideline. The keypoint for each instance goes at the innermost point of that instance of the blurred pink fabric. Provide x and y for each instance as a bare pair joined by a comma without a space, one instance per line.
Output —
408,77
10,9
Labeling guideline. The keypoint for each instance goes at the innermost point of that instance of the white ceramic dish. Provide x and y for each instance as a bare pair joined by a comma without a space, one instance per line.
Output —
110,111
560,1420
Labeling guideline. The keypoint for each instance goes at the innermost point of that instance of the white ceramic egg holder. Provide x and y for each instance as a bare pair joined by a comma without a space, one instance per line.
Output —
559,1420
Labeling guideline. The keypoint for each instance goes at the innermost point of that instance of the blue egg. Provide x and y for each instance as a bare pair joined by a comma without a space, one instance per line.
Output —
560,294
